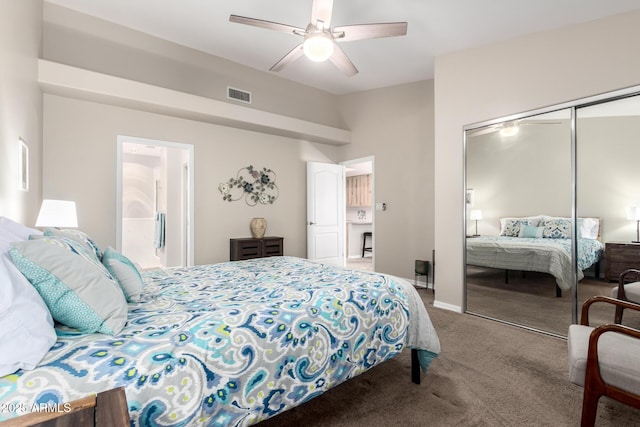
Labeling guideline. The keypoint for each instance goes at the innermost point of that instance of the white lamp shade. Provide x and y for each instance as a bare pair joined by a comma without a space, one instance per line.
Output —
57,213
318,47
633,213
475,214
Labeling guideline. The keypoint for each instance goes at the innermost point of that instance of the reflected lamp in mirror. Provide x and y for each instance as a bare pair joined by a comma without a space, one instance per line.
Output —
633,213
475,215
57,213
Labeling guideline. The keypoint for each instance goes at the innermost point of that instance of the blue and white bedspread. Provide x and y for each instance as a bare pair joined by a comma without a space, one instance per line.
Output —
232,344
545,255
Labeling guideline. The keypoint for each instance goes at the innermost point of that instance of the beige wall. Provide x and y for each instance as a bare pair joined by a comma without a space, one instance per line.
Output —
80,164
76,39
395,125
521,175
607,184
505,78
20,106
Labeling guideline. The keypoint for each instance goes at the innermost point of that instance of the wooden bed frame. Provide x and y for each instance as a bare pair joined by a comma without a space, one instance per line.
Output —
108,408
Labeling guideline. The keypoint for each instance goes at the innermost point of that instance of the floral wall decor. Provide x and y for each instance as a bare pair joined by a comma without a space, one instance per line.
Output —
255,186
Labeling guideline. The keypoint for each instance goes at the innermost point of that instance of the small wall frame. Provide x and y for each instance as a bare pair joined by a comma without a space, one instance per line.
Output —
23,165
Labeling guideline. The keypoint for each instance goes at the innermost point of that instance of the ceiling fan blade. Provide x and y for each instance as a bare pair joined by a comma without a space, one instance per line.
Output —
266,24
340,60
369,31
294,54
321,11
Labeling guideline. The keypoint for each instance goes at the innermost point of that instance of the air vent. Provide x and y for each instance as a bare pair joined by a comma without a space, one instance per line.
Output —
239,95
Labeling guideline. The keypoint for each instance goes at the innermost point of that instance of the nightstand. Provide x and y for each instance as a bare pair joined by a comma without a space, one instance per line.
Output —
619,256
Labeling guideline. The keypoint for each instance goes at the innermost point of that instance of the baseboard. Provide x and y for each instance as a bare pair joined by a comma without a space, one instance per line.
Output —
445,306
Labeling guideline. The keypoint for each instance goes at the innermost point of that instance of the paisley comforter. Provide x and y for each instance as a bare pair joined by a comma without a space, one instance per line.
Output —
232,344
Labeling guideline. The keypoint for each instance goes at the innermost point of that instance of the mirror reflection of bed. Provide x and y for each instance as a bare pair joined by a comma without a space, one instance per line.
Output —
523,167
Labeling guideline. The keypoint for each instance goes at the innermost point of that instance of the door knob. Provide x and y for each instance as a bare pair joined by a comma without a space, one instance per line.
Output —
311,222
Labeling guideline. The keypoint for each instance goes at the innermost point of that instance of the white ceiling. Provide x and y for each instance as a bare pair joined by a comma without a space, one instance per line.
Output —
434,27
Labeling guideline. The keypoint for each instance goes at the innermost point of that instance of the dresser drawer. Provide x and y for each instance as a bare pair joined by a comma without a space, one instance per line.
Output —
248,248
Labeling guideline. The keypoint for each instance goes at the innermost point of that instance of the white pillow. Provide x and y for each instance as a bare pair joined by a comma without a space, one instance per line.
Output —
588,228
11,231
26,326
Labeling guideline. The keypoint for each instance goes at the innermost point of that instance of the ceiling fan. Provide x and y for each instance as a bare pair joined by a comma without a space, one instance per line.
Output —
320,39
509,128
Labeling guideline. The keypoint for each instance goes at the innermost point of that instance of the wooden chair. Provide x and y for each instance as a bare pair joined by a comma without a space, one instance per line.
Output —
604,360
626,291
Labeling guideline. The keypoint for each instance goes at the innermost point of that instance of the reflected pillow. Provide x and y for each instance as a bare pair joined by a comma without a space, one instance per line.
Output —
530,231
125,273
589,228
557,229
78,289
511,226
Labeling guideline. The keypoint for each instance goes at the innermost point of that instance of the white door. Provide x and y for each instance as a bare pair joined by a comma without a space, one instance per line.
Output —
325,212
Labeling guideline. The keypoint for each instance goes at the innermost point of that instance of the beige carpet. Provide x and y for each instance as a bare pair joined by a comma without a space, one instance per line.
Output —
489,374
529,299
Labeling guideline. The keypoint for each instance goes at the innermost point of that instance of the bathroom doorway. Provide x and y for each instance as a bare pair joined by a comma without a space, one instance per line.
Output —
359,216
155,202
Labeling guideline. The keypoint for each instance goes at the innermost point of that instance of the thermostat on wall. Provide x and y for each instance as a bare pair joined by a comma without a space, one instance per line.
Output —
381,206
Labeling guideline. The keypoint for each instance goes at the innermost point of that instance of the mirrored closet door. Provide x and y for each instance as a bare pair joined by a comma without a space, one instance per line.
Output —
552,213
519,207
608,190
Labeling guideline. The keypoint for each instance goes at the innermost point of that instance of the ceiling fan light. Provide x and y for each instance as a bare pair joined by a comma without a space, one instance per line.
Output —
318,47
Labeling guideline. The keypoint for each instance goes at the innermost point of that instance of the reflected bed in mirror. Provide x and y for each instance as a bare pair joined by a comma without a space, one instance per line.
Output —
518,168
581,159
539,243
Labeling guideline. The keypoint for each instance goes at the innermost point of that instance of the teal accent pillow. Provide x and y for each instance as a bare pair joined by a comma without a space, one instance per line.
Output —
78,236
77,289
531,231
125,273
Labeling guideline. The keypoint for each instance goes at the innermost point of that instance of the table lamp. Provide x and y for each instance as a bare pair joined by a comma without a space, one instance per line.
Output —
57,213
475,215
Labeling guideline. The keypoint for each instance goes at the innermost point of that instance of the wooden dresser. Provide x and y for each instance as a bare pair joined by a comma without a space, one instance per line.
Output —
619,256
248,248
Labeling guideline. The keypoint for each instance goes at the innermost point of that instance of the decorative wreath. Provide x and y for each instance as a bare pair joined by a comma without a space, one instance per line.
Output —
255,186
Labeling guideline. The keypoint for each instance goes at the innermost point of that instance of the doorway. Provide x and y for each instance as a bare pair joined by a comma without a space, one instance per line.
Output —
154,213
359,215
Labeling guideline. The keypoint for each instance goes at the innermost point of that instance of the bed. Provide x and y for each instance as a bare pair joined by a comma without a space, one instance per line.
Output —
539,243
232,344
